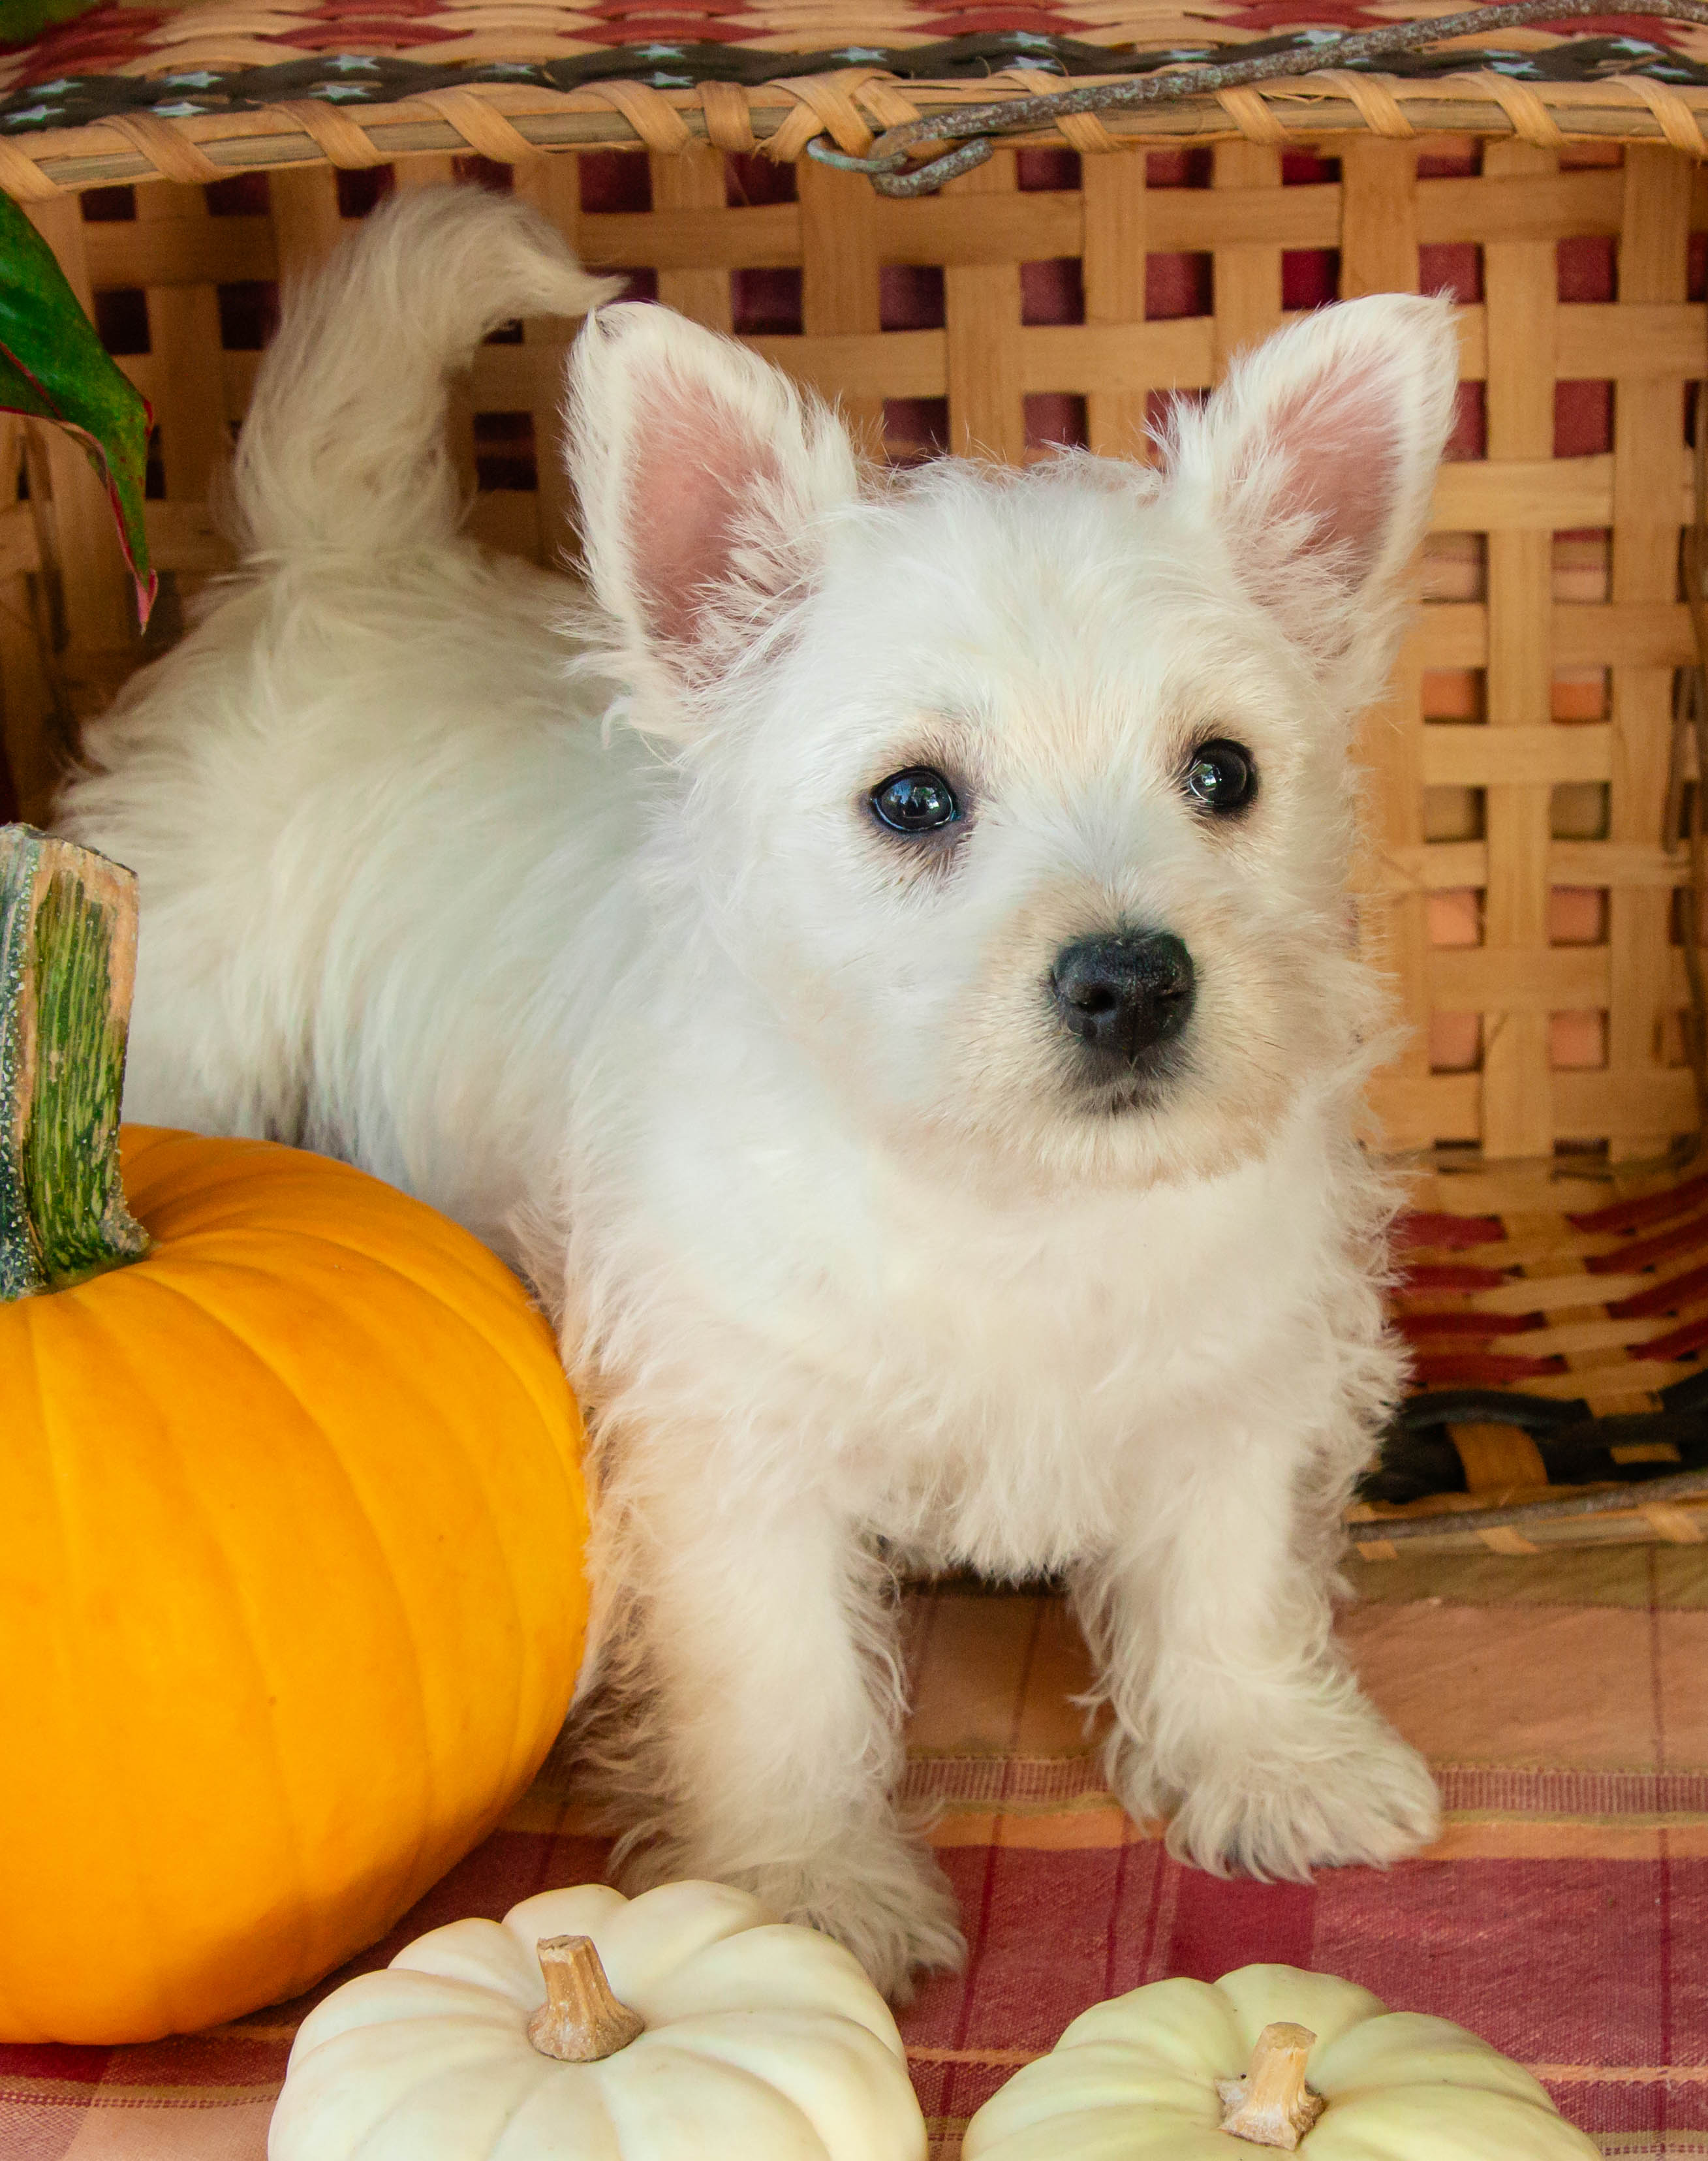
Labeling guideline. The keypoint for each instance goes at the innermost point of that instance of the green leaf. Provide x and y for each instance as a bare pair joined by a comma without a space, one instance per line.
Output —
54,366
20,20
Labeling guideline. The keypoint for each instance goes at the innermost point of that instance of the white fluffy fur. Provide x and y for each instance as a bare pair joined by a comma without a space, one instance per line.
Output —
576,924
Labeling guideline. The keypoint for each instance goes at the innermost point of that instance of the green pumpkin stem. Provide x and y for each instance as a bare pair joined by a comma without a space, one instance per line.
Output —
68,949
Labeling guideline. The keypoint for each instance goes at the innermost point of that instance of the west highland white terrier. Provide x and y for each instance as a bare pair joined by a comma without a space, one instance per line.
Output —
883,965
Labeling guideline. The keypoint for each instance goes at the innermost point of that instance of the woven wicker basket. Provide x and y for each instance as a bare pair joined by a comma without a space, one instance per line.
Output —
1523,872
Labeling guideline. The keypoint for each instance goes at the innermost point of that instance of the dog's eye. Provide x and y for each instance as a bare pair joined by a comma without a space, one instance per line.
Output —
916,801
1221,776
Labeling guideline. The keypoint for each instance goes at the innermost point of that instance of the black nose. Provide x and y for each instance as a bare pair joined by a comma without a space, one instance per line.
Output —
1125,993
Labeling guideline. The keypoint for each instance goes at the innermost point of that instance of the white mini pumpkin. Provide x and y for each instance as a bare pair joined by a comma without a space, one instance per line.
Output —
1269,2056
710,2032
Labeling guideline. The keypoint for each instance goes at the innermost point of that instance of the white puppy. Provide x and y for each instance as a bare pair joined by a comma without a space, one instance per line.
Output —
885,969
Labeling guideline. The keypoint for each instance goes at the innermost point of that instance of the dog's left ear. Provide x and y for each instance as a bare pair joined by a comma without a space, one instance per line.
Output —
1314,464
701,471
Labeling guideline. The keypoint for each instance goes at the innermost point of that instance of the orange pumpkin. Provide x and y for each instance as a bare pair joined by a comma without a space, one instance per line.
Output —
291,1601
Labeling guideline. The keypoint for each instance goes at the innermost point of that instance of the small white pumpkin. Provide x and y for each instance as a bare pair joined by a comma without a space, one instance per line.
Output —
682,2025
1269,2056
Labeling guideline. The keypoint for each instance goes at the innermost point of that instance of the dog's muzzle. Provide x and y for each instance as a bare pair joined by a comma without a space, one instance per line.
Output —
1124,995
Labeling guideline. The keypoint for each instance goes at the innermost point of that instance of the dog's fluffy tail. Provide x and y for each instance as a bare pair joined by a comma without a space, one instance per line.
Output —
344,447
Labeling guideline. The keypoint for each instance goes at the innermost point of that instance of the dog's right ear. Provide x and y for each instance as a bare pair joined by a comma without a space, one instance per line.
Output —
701,471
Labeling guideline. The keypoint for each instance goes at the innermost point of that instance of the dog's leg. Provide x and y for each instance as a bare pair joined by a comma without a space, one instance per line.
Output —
1234,1711
771,1737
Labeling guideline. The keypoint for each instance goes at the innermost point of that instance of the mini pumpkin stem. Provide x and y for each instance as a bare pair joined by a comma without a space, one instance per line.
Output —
68,952
581,2020
1272,2106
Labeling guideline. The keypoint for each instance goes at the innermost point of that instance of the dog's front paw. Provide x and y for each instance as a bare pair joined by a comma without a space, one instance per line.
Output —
883,1896
1373,1801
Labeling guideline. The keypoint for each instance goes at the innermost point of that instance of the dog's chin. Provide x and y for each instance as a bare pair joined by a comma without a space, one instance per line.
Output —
1101,1090
1091,1135
1144,1130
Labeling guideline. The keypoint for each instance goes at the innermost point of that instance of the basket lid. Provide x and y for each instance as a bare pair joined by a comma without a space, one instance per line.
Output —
198,92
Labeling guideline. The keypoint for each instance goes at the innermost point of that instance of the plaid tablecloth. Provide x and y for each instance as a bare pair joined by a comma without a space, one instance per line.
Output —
1563,1915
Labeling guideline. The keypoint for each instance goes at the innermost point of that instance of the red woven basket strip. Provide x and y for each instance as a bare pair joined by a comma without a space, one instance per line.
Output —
1680,1344
1417,1327
1669,1295
1444,1276
1688,1237
112,38
1449,1232
1653,1208
1480,1370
